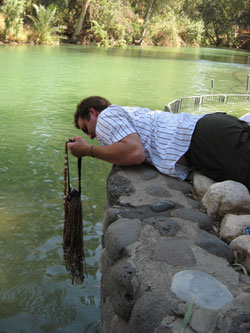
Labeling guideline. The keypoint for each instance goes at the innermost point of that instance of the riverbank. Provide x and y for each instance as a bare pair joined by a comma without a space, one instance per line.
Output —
163,258
58,43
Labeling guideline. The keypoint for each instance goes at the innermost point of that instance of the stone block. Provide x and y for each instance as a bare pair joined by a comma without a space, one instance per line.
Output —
214,245
157,191
226,197
115,212
111,215
245,279
177,327
123,288
235,318
164,225
193,203
134,212
178,185
148,312
118,186
240,323
105,262
113,323
149,174
233,226
194,215
174,252
119,235
201,184
203,320
241,245
165,325
162,206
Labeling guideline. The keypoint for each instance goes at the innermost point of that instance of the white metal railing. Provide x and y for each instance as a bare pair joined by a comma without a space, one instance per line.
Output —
195,101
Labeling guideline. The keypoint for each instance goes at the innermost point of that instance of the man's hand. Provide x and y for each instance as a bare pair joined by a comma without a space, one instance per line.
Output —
79,147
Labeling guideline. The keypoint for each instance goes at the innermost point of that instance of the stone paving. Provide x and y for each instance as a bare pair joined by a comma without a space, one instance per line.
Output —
165,267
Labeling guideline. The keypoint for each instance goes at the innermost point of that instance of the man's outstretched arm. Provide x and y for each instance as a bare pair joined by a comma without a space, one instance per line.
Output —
128,151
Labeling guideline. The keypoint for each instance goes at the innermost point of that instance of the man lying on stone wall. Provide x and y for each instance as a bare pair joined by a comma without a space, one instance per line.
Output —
218,145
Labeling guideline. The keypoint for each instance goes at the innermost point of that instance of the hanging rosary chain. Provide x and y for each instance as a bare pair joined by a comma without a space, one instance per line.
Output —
66,166
66,171
73,229
79,173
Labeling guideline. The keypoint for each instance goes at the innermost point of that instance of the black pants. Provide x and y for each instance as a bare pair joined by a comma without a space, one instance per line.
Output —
220,148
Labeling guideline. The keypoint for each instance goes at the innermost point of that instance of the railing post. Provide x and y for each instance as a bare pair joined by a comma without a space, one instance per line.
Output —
212,86
247,88
179,106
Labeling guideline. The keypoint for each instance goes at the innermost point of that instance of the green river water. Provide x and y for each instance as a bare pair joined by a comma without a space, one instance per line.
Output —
39,89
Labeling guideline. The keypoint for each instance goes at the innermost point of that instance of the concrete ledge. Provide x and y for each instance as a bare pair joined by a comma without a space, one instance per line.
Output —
161,256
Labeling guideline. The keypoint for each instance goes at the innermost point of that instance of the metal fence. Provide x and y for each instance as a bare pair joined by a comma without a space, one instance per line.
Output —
195,101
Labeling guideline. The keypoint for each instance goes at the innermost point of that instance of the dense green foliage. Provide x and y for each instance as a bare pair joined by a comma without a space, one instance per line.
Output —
44,23
127,22
13,17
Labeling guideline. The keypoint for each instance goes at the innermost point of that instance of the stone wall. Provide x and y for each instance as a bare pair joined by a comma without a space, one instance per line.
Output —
174,254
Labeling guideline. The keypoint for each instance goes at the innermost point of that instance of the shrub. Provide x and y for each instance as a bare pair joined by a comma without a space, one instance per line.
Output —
110,23
44,24
2,27
13,11
190,31
163,31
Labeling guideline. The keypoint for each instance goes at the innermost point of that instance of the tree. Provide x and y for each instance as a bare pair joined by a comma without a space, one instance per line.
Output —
221,20
243,37
191,8
147,18
244,15
78,28
154,8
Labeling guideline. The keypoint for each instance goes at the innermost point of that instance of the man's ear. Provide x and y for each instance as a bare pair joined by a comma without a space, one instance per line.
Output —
93,112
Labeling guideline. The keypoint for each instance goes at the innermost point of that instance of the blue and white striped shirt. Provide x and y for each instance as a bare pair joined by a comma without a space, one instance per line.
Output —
165,136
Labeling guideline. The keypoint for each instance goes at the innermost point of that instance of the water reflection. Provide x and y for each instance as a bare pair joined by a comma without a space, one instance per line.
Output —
208,54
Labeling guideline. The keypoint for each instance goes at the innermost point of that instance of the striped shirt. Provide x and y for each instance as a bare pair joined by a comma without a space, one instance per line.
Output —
165,136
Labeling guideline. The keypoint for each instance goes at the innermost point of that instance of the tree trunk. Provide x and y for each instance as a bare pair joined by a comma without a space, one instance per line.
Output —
211,38
147,17
78,28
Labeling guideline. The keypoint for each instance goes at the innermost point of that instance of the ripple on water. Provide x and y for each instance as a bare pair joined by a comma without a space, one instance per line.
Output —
50,244
41,252
56,270
39,299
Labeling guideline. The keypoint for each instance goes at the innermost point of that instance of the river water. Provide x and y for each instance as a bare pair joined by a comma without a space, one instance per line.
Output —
39,89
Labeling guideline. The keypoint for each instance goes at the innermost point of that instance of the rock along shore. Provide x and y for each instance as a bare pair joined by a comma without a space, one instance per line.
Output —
171,251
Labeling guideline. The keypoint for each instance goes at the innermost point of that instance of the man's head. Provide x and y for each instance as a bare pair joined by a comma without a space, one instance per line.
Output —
83,108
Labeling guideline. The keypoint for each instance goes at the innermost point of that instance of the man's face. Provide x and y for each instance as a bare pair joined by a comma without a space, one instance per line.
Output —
88,126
